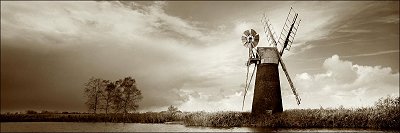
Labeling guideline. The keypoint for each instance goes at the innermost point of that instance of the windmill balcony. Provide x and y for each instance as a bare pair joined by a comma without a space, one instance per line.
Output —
253,60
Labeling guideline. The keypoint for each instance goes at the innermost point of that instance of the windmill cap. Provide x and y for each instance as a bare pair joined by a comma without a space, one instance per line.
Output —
268,54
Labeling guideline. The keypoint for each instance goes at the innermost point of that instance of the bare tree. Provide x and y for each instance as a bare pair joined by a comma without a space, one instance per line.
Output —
108,95
121,96
93,90
127,95
117,101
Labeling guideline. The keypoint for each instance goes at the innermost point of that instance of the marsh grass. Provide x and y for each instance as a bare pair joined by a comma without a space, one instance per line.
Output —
385,115
128,118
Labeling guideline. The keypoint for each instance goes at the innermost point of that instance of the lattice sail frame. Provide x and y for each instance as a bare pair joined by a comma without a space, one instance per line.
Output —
268,30
291,25
283,41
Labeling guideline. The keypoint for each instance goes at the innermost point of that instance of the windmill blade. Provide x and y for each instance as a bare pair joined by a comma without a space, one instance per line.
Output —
257,38
269,31
252,32
286,43
247,33
244,39
247,45
289,30
289,80
254,44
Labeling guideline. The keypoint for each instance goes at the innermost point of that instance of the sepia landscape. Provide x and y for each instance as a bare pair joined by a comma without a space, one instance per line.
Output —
200,66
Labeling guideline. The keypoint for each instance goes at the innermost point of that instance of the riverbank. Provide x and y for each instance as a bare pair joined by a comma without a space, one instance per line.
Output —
384,115
146,127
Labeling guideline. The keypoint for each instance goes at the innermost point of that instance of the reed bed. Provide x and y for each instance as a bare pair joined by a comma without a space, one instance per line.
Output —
128,118
384,115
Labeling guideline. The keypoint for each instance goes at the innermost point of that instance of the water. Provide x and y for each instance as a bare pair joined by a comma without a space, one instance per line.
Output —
140,127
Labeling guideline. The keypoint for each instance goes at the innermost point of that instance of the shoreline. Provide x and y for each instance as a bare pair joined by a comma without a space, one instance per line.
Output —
306,118
384,115
309,129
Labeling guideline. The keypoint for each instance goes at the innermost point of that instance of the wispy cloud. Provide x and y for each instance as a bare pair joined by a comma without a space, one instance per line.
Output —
350,56
372,54
111,40
364,23
52,48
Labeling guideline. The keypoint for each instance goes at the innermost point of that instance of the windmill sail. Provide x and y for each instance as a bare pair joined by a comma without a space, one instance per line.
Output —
266,60
289,30
268,30
289,80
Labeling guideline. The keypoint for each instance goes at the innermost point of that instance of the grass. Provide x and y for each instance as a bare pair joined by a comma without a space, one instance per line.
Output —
384,115
129,118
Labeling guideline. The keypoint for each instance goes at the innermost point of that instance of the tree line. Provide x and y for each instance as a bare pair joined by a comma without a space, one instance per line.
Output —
121,96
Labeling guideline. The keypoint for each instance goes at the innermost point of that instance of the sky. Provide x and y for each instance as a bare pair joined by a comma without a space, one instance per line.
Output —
190,54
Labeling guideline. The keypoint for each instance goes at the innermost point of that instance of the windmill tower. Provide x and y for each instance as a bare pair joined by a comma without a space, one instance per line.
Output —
267,93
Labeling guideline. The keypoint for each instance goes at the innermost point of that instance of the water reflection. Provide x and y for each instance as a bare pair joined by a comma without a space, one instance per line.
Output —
139,127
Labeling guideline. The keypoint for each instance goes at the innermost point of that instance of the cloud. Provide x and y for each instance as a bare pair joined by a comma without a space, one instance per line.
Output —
65,47
344,24
341,83
56,52
373,54
345,83
351,56
49,49
223,103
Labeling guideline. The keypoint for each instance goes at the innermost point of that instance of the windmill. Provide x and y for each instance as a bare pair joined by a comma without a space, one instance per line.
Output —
267,92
